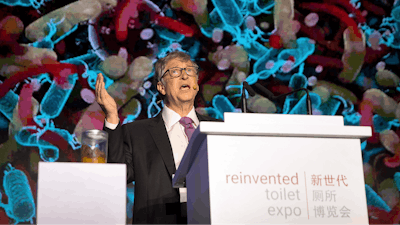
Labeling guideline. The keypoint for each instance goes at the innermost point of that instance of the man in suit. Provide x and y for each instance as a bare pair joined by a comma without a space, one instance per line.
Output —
153,148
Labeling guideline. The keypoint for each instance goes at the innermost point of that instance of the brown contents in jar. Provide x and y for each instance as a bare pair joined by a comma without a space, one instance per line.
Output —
89,155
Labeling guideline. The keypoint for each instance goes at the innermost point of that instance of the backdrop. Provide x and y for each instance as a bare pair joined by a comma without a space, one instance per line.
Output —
344,52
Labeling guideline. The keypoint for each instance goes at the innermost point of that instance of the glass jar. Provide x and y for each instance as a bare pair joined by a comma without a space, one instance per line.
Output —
94,146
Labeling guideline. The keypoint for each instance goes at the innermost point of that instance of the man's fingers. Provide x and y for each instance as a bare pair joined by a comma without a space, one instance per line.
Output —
100,88
102,91
97,87
98,79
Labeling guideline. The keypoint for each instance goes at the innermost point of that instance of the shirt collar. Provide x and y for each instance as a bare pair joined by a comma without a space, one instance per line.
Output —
171,117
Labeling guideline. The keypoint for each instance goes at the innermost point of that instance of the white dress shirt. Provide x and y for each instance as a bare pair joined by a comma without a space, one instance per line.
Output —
176,134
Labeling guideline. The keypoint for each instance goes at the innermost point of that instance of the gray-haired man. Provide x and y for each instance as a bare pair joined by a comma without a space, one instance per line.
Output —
153,148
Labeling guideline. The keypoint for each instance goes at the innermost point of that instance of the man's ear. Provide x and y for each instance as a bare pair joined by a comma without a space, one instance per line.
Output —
197,85
161,87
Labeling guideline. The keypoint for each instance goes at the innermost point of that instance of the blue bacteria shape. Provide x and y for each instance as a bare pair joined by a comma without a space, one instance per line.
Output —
54,100
381,123
48,152
330,107
168,34
26,138
8,103
301,106
255,50
297,81
222,104
375,200
229,12
21,206
25,3
260,71
305,47
397,180
215,22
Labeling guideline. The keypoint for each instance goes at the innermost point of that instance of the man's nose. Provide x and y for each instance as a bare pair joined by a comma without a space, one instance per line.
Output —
184,75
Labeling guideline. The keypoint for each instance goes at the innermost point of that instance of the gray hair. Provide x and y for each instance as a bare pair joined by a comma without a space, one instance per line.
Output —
159,66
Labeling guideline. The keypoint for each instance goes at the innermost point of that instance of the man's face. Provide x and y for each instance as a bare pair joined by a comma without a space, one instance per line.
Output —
180,89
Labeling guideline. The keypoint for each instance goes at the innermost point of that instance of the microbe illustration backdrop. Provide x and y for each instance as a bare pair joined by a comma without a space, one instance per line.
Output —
345,52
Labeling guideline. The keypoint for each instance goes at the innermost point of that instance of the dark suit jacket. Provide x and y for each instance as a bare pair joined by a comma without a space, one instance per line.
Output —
145,148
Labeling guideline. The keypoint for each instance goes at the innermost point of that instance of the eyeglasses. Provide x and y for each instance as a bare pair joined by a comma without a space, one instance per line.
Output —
175,72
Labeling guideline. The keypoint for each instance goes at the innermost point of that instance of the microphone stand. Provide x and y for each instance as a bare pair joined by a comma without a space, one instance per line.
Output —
251,92
244,101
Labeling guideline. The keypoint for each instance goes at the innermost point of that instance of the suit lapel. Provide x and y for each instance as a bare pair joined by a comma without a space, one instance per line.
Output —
160,137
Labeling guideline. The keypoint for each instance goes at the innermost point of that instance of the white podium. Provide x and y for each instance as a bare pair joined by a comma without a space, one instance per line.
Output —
81,193
275,169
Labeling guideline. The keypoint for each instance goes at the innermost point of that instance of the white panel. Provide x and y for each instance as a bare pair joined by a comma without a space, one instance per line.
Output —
282,119
287,194
81,193
322,130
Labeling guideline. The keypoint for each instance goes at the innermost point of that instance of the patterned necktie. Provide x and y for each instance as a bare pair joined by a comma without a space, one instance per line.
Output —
187,123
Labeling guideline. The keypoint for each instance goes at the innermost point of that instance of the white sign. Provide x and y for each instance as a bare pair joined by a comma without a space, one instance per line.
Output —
286,180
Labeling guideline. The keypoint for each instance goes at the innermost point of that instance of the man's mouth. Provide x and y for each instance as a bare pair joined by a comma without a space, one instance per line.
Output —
185,86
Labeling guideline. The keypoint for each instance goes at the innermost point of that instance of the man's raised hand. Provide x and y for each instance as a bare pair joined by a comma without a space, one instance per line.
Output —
106,102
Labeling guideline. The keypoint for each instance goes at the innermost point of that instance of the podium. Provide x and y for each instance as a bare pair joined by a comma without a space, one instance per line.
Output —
81,193
275,169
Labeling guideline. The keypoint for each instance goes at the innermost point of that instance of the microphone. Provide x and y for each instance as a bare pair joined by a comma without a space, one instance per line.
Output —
268,94
251,92
194,87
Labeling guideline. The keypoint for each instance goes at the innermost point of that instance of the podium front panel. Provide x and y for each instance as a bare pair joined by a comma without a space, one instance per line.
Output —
282,180
81,193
